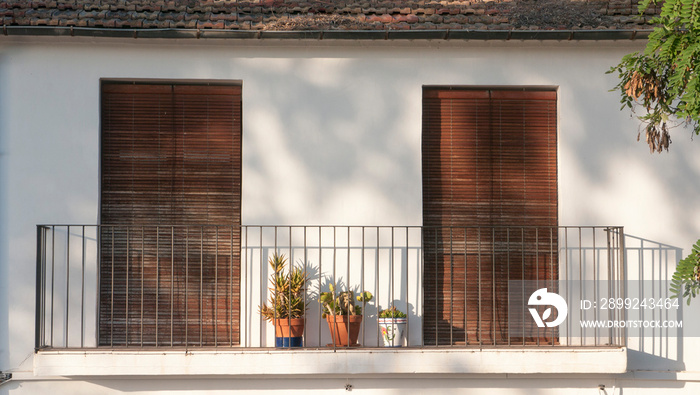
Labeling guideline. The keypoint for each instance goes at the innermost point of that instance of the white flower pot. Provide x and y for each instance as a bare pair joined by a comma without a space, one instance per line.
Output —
393,331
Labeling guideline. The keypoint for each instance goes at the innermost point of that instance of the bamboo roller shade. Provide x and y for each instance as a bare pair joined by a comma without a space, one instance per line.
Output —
171,155
489,160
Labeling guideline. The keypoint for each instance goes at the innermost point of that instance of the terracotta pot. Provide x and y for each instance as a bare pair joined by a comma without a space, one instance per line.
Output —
289,332
344,329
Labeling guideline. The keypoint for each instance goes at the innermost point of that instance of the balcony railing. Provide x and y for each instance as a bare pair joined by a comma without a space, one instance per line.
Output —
202,286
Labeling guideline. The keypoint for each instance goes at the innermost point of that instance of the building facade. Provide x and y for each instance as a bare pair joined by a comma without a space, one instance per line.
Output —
148,173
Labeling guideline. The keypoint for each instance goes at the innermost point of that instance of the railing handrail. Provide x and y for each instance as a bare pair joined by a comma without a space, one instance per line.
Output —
45,225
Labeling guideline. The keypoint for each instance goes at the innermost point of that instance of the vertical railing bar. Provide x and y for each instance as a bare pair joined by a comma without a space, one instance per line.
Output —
53,277
616,277
335,283
622,291
621,279
320,282
622,266
376,279
82,290
128,251
613,289
642,276
609,274
187,285
65,335
537,272
111,306
421,269
262,288
216,286
44,280
569,327
348,274
551,275
620,284
408,321
612,270
466,297
581,282
40,292
291,266
243,264
595,285
43,286
172,286
157,283
478,260
201,284
98,279
262,264
305,274
522,274
452,321
435,249
274,321
493,284
362,278
391,268
508,280
39,312
143,267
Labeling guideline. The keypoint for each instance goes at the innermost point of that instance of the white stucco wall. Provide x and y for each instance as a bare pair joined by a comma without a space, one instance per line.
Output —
331,135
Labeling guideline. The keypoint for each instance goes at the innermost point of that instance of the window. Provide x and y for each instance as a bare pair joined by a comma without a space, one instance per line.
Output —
170,172
489,206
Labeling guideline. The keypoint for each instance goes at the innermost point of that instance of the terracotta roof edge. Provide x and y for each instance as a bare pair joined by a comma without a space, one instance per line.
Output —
450,34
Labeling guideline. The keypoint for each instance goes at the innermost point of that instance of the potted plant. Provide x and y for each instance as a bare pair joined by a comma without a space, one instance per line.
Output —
343,316
392,326
287,303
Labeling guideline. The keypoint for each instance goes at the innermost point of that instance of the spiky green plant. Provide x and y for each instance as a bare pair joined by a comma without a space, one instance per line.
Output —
685,282
392,312
288,291
342,303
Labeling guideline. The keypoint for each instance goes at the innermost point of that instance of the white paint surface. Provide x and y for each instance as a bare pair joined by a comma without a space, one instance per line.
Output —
332,135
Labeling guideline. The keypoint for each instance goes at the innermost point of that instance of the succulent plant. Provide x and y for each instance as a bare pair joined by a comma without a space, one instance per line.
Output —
392,312
288,296
342,303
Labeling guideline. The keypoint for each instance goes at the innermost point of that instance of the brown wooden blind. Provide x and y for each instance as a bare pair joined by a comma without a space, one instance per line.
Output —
170,210
489,206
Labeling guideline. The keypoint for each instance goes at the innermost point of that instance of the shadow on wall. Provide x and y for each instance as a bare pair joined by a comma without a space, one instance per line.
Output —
648,270
337,146
623,183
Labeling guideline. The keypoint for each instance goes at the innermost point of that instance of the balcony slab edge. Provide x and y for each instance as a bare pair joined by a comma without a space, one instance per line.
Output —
321,362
